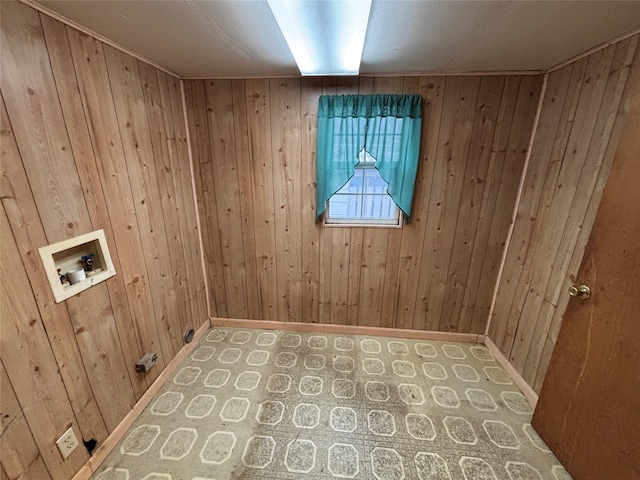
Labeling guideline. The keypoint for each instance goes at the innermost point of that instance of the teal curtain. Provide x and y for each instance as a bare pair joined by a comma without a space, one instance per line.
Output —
387,127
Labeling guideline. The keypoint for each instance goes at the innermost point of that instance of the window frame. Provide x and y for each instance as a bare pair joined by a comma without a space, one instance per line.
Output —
366,223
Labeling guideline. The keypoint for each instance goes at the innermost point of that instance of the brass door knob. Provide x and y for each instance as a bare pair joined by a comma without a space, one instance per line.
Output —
581,291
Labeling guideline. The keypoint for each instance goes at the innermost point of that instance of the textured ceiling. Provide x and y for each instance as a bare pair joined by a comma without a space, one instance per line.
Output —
240,38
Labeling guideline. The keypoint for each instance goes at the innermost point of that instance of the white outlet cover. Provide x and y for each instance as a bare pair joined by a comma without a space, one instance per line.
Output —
67,443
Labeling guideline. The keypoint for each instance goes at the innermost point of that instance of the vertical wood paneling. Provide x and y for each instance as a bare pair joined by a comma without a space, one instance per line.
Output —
50,166
325,239
475,180
394,85
132,123
245,192
99,343
36,118
259,121
395,308
165,165
29,234
89,141
95,93
30,363
511,159
311,90
287,194
224,183
17,446
340,244
457,121
570,161
68,92
175,122
625,63
195,98
472,318
430,273
410,279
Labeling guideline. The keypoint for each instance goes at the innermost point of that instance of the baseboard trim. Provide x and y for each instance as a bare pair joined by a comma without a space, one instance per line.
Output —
91,466
348,330
520,382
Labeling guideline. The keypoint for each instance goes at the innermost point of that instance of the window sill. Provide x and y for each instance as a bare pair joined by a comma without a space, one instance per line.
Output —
363,225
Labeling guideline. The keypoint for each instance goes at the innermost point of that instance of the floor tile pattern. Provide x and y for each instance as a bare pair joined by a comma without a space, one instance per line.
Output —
281,405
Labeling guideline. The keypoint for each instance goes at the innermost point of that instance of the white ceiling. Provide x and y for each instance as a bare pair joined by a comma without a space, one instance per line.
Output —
240,38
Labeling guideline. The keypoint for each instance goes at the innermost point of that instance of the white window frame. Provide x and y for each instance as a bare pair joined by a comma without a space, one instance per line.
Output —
366,162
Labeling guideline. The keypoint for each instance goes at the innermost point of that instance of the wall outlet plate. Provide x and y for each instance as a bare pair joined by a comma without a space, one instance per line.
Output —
67,443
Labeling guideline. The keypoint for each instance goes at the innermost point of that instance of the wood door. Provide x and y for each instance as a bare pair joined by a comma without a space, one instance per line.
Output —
589,406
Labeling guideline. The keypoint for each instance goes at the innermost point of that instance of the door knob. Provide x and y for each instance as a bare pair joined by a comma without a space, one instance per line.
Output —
581,291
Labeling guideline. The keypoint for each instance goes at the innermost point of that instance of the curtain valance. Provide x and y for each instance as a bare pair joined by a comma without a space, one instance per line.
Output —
368,106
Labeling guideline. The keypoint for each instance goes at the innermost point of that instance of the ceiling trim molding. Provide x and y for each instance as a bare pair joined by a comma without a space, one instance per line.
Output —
386,75
97,36
595,49
470,73
256,77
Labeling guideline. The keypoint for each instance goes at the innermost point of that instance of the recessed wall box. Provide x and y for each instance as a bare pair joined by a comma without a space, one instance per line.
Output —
62,257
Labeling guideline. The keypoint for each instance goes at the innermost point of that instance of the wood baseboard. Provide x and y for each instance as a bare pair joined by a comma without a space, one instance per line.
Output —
118,433
348,330
520,382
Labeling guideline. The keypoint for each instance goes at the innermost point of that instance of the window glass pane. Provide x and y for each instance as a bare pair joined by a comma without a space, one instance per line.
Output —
379,207
354,185
365,157
345,206
373,182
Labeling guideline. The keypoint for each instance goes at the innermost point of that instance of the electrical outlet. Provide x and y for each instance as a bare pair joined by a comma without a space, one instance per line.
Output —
67,443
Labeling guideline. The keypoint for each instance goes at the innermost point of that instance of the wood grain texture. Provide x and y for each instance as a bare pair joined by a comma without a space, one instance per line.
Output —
30,364
165,161
55,35
132,123
17,446
197,118
185,202
571,157
90,139
311,90
592,379
21,209
434,273
286,160
93,82
184,197
245,193
225,190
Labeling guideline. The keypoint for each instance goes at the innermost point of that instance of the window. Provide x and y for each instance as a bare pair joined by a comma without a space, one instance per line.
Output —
363,199
367,158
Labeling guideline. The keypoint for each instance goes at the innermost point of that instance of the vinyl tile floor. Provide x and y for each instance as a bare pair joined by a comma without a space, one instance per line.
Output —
269,404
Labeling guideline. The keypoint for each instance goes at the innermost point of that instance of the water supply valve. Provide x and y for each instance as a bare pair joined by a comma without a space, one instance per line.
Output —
146,362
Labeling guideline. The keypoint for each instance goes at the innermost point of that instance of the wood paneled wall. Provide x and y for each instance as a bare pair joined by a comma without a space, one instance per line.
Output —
91,139
254,146
577,136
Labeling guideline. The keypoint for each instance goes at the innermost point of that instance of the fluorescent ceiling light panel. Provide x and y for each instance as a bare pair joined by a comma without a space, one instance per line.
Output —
326,37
